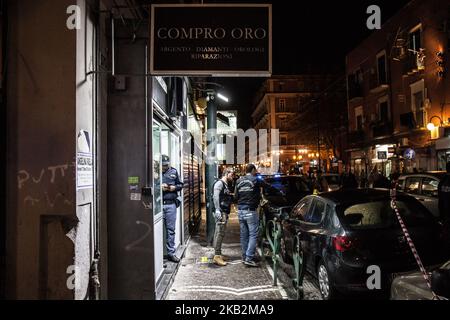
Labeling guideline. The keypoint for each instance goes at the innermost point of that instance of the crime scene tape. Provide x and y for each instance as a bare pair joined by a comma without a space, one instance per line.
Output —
393,193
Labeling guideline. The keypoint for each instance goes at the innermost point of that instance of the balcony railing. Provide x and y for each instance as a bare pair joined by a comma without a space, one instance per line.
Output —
410,64
354,91
356,137
375,83
289,109
383,129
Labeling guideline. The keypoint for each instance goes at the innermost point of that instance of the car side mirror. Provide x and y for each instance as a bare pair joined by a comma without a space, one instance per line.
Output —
440,282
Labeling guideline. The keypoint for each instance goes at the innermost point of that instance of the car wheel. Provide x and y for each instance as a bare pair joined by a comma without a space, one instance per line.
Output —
283,251
326,289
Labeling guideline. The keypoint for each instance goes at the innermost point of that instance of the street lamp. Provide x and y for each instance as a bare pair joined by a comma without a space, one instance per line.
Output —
221,96
431,126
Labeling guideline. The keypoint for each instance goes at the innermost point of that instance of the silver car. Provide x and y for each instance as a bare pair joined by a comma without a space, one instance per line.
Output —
424,187
412,286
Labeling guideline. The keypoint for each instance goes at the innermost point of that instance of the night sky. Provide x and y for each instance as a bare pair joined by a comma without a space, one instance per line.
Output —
311,37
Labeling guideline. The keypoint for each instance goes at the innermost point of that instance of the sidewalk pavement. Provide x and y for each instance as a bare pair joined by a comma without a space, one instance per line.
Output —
198,278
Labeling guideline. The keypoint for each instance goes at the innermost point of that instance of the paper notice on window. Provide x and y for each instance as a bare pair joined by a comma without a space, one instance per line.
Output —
85,171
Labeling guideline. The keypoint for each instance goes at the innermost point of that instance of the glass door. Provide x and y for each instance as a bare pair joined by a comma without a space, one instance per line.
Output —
157,201
175,156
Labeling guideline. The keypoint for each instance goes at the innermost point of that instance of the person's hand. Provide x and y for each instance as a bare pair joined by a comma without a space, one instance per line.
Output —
165,187
172,188
218,215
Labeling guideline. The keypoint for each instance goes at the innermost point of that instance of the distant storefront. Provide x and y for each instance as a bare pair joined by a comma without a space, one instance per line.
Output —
442,152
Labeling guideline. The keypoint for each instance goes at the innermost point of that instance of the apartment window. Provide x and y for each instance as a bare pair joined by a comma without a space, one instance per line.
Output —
283,140
415,59
415,39
417,103
383,110
355,81
281,122
382,68
282,105
359,118
359,76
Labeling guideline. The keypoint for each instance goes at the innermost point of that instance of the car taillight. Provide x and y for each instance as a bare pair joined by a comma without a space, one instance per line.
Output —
343,243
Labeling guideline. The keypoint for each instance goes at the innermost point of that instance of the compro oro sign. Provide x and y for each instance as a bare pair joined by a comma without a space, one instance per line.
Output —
211,39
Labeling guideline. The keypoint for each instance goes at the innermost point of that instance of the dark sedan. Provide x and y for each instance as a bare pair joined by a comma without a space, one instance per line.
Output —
282,193
344,232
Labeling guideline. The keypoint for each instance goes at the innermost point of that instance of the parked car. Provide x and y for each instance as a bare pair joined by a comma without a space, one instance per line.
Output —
344,232
282,193
412,285
333,180
423,187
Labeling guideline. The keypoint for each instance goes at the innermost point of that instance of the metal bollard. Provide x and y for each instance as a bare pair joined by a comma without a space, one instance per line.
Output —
262,224
273,234
298,267
262,230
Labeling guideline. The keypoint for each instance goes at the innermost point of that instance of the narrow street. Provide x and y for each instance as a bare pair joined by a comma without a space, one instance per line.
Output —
119,117
198,278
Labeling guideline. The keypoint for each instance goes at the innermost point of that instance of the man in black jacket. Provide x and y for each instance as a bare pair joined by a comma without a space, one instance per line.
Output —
222,198
248,195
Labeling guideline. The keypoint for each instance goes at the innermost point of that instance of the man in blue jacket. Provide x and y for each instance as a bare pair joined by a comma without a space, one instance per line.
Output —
171,185
248,195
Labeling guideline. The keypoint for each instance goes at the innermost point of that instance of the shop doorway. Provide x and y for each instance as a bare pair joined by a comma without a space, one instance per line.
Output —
157,201
166,141
170,145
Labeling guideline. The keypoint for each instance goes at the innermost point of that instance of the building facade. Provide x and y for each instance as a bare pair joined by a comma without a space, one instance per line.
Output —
86,126
296,106
397,82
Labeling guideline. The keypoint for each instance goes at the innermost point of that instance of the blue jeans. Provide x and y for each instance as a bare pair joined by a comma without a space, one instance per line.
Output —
170,219
249,224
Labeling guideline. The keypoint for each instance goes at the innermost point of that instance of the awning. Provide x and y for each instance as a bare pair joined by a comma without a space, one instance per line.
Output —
443,143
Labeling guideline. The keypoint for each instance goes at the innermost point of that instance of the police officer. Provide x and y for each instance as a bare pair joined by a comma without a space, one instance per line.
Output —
171,184
248,195
222,198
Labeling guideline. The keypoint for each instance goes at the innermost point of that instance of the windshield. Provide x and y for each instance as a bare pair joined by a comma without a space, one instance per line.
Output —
379,214
287,186
332,179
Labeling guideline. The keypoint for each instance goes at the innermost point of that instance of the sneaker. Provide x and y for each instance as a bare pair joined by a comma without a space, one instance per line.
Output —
250,263
174,259
219,261
225,258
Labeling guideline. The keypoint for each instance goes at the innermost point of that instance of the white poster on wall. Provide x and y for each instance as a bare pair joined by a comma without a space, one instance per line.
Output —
85,174
84,166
